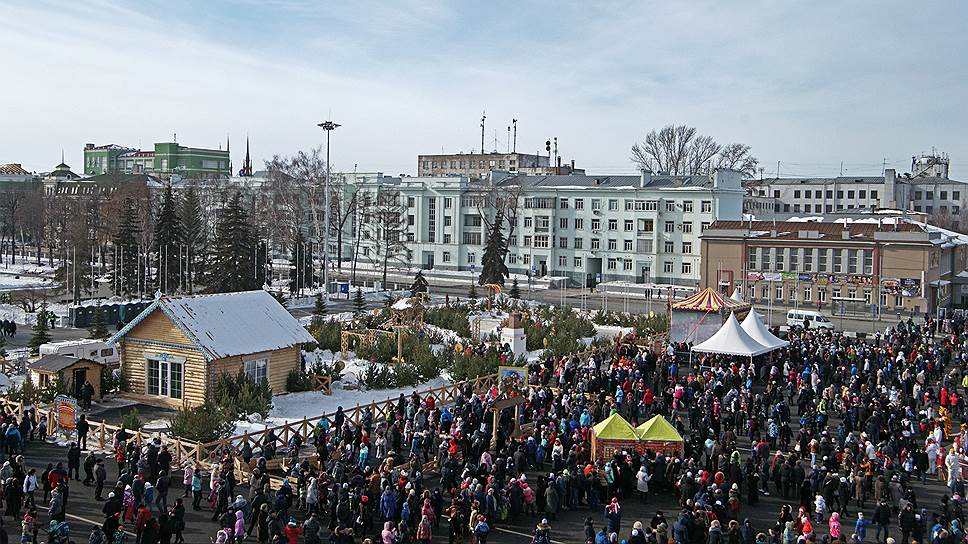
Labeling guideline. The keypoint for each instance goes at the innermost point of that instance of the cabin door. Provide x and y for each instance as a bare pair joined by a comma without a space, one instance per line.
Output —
80,377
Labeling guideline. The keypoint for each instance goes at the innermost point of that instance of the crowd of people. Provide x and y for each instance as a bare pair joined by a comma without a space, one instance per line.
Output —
842,430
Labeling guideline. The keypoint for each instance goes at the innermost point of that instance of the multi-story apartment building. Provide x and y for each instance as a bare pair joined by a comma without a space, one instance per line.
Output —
928,189
166,160
586,228
478,165
892,263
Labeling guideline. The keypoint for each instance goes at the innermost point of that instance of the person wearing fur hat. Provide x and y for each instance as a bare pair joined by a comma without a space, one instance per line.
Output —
542,533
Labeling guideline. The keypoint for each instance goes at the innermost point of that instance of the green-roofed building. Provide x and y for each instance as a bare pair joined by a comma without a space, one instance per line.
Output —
166,160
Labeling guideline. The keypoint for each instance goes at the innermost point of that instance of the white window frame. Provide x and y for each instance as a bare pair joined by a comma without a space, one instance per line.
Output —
257,369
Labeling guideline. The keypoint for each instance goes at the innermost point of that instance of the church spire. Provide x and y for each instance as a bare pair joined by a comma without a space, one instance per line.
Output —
247,165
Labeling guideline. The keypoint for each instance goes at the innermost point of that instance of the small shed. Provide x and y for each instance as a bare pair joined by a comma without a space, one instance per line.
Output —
611,435
175,350
75,371
658,435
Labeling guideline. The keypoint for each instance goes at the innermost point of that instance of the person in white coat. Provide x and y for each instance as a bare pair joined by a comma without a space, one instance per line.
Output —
642,483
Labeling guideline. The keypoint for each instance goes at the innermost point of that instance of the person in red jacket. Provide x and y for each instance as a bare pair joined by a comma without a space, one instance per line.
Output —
293,532
141,521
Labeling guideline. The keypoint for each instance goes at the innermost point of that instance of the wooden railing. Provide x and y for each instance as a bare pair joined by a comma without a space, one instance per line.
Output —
322,383
101,434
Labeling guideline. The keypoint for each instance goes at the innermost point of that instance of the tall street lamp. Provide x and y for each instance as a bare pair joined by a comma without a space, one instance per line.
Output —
329,127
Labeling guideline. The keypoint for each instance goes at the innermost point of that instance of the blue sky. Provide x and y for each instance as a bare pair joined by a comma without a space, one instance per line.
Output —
809,84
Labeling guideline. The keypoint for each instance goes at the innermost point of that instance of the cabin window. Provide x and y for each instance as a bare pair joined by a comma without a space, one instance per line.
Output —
165,378
257,370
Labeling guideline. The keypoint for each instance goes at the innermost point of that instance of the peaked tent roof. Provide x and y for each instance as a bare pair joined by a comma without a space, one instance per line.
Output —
753,325
731,339
614,427
228,324
658,428
737,296
707,300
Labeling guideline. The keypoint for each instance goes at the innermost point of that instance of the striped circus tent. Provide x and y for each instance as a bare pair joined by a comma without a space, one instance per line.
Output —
708,300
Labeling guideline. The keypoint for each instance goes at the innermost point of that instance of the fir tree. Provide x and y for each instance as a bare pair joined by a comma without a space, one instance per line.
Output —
493,269
40,330
515,291
319,308
126,248
300,264
169,235
233,256
196,237
472,292
98,330
263,265
359,302
419,285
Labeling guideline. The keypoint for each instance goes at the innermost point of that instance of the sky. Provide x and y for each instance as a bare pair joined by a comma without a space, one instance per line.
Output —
808,84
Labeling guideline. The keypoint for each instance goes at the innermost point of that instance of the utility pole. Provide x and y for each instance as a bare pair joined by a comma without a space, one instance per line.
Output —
329,127
483,117
514,146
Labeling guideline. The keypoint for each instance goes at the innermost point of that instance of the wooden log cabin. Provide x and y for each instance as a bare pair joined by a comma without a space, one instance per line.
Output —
173,352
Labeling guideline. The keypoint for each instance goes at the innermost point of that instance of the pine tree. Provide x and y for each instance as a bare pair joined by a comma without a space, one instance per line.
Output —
419,285
196,237
40,330
493,269
300,264
98,330
472,292
515,291
319,308
233,264
169,235
126,248
359,302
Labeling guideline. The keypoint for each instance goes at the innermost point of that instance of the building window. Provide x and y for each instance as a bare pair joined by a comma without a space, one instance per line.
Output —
867,296
687,205
703,226
629,225
613,224
707,206
687,247
596,224
596,204
778,292
687,227
563,222
257,370
579,223
670,205
929,195
445,257
562,242
627,264
850,194
646,225
750,258
528,222
765,292
165,378
651,205
956,196
471,258
577,262
862,194
667,267
821,295
410,202
627,245
596,244
541,241
806,294
472,238
613,205
579,203
563,203
669,247
527,241
578,243
562,261
448,202
687,268
611,264
796,194
612,245
669,226
873,195
526,259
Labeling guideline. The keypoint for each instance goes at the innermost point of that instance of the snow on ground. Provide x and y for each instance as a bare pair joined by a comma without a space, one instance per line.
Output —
296,406
448,335
26,267
10,282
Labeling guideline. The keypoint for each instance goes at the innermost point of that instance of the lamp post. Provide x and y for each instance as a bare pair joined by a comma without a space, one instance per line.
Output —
329,127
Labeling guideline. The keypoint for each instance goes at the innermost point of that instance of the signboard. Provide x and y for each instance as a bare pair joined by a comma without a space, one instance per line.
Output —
514,374
907,287
344,288
66,409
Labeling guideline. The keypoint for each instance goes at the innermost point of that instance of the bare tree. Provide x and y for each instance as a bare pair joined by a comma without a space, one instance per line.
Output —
361,220
680,150
390,223
30,299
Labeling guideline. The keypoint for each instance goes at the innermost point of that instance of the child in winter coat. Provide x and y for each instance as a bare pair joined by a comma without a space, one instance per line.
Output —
820,507
834,525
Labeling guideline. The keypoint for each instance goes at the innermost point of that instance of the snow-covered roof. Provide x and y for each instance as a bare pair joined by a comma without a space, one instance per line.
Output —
228,324
402,304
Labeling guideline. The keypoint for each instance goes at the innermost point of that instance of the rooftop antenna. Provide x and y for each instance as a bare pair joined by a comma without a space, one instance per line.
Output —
508,147
514,147
495,140
483,117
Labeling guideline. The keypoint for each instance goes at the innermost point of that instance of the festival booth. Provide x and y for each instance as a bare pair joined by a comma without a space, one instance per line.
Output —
753,325
658,435
611,435
697,318
732,339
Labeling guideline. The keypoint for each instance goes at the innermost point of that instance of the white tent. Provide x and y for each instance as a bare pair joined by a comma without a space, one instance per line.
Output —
731,339
753,325
737,296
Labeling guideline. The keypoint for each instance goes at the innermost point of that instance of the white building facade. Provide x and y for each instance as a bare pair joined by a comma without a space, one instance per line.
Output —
589,229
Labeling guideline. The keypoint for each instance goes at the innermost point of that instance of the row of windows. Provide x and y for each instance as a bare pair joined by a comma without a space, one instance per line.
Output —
644,246
789,293
851,194
836,261
469,164
942,195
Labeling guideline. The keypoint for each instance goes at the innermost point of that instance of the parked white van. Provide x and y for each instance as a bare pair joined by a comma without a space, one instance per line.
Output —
808,318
